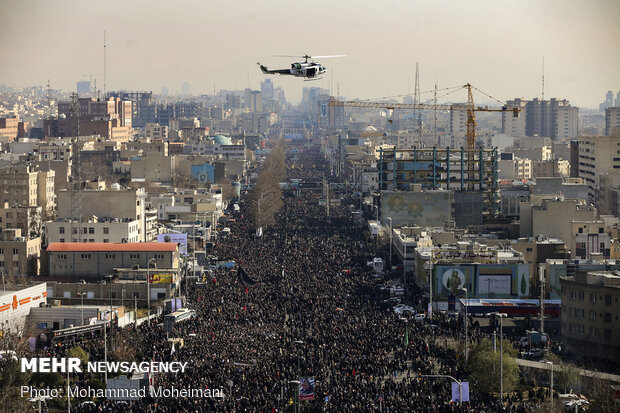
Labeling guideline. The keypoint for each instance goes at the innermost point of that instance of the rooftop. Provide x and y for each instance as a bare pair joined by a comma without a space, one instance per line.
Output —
111,247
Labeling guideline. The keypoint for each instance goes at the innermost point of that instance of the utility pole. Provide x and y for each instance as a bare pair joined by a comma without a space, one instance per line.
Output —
416,101
541,273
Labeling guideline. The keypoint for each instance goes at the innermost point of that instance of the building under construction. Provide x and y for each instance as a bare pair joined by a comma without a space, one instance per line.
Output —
466,172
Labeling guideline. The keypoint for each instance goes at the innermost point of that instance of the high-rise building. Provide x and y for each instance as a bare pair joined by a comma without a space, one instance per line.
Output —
514,125
612,119
609,101
142,108
617,99
186,89
552,118
266,89
83,88
598,155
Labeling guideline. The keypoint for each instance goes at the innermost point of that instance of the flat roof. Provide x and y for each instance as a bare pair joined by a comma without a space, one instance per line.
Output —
112,247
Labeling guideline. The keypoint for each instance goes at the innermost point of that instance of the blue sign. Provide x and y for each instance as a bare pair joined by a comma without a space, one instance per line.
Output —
463,394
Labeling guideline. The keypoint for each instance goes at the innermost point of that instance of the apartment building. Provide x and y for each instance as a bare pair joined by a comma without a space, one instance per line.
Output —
590,314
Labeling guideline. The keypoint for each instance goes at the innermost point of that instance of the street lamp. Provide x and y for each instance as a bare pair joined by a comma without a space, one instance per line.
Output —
466,337
81,295
391,230
148,288
551,388
501,355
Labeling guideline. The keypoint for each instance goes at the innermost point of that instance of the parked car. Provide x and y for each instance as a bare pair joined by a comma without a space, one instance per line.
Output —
534,354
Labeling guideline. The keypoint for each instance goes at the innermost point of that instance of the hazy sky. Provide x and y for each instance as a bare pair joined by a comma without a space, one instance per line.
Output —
495,45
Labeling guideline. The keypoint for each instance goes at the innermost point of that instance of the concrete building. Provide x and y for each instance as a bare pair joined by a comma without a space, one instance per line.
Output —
612,119
554,217
19,185
598,155
514,125
153,167
95,229
27,219
609,101
95,260
553,118
120,204
19,256
589,239
405,240
15,306
155,131
9,128
590,311
458,122
46,195
536,251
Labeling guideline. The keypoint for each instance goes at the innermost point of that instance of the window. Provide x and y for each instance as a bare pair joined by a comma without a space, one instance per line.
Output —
62,240
607,334
608,317
61,230
15,251
15,264
91,230
134,256
1,251
600,230
106,230
592,315
581,295
159,256
110,256
136,295
62,256
593,331
592,298
105,241
86,256
1,263
608,300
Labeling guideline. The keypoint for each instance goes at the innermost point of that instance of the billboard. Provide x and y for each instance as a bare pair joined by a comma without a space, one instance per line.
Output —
161,278
426,209
180,239
482,280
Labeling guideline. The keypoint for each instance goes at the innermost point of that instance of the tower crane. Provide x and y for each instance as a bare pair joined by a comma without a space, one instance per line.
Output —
469,107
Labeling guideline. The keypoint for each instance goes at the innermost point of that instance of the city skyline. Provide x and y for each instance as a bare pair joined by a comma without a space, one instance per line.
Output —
495,46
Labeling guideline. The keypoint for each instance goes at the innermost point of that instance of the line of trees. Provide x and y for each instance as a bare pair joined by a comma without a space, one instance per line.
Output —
266,198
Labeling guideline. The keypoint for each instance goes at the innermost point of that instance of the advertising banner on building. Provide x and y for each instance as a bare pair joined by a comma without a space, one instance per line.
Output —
481,280
180,239
161,278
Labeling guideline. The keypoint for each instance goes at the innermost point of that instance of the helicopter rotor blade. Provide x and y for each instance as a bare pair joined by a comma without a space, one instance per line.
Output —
323,57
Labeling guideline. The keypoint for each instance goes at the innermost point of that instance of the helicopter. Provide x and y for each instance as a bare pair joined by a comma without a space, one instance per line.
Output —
305,69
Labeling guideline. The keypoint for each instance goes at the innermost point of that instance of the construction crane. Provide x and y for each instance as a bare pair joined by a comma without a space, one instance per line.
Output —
469,107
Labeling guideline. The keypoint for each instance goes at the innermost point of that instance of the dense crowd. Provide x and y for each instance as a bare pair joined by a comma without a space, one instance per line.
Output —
309,307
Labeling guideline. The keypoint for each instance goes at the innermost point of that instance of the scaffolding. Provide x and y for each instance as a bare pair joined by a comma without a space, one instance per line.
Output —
448,169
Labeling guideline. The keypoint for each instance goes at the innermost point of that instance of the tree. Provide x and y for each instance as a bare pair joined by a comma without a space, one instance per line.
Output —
484,364
566,375
266,197
78,352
